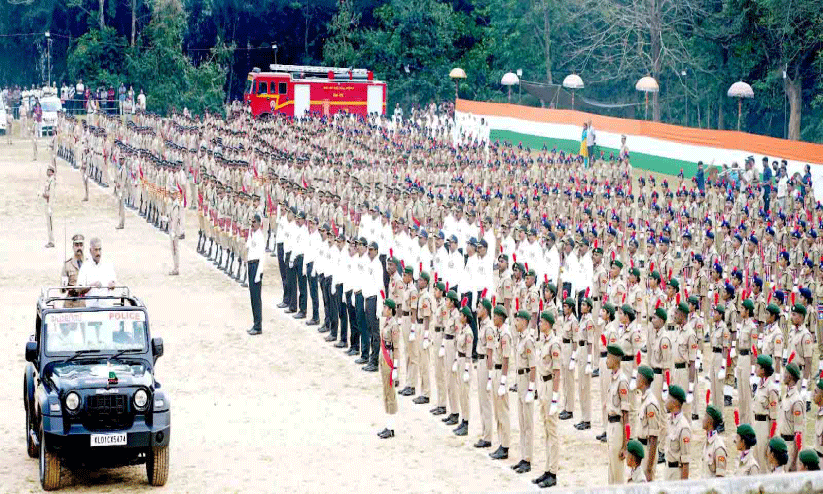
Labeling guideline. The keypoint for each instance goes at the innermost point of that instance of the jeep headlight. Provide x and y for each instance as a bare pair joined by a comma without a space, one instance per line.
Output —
72,402
141,399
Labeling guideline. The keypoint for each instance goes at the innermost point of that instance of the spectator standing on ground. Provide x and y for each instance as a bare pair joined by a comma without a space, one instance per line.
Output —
121,97
591,143
141,101
36,123
767,183
700,177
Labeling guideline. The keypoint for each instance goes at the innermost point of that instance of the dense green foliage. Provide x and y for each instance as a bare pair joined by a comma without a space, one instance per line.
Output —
191,54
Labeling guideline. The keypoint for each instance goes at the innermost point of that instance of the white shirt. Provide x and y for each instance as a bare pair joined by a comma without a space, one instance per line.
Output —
373,282
91,273
552,263
256,246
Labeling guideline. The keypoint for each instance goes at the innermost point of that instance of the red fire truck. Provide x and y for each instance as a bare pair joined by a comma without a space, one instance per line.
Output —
297,89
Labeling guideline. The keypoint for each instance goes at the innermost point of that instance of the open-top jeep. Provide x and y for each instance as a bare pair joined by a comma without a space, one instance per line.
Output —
90,395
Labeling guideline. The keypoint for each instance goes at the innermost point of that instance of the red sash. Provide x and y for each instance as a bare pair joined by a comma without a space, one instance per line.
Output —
388,360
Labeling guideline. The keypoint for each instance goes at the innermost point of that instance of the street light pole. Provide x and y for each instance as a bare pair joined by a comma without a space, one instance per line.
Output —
48,42
274,45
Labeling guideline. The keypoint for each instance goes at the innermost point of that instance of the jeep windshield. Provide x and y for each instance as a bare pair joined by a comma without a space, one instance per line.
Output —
95,333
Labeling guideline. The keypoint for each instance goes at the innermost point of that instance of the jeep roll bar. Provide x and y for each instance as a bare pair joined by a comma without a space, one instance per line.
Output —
50,295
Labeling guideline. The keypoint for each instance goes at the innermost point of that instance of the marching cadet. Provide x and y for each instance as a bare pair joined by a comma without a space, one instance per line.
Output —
463,346
449,356
569,325
585,331
175,231
634,460
678,439
501,353
617,408
549,364
745,335
71,268
389,341
48,191
714,450
745,440
764,405
440,315
409,332
809,461
526,374
791,422
425,309
652,425
485,383
777,455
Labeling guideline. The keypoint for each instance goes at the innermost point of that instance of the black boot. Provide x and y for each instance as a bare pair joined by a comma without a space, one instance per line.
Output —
463,429
452,419
549,481
500,454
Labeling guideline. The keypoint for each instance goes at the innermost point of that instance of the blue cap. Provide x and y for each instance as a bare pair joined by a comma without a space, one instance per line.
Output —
729,289
753,239
806,293
718,268
737,274
473,241
784,255
780,296
423,233
758,281
441,235
709,234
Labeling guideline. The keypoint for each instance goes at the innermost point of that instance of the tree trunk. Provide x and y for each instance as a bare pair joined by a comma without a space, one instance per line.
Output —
794,92
547,36
721,120
133,20
102,14
655,35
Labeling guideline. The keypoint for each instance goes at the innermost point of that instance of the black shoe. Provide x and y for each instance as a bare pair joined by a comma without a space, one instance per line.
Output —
253,331
583,426
721,428
513,389
340,344
421,400
300,315
331,338
600,436
462,430
661,457
314,322
353,351
370,368
407,391
361,361
605,438
386,433
565,415
727,401
452,419
550,481
282,305
541,478
695,417
291,311
500,454
526,467
323,329
482,444
439,411
519,464
808,406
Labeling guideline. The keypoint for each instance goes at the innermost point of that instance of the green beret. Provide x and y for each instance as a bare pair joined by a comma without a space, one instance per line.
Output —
392,260
531,273
794,370
424,275
655,275
634,447
647,372
609,308
519,266
809,458
409,270
748,304
715,414
661,313
799,308
766,362
720,308
547,316
677,393
615,350
570,302
694,300
452,295
466,312
500,311
626,308
440,286
504,256
774,309
683,307
820,384
588,301
597,250
618,264
523,314
390,303
635,272
487,304
745,430
553,288
778,444
674,284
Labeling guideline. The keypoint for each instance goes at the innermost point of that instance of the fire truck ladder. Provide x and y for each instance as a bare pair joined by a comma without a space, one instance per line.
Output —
317,71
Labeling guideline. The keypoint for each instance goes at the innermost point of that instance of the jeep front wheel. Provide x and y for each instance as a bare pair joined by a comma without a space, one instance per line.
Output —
49,466
157,465
31,447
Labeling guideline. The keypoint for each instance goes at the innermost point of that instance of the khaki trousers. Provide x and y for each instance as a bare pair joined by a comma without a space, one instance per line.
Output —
549,422
175,252
464,387
49,222
502,419
424,356
604,391
484,400
615,432
525,418
411,357
744,388
439,370
389,392
568,377
584,381
454,403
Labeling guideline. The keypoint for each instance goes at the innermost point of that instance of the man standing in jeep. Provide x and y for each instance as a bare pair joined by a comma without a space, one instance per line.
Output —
71,268
97,274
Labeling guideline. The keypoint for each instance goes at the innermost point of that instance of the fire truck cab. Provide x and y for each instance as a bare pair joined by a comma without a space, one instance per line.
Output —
295,90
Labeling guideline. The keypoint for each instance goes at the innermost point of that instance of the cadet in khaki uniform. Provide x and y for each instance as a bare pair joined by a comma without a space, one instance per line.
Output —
715,454
635,461
439,316
777,455
68,276
48,191
526,374
679,436
809,461
463,362
650,415
548,369
764,405
389,341
485,383
617,409
569,330
501,354
411,345
719,335
745,335
746,440
800,344
424,312
608,336
584,358
792,419
449,355
685,352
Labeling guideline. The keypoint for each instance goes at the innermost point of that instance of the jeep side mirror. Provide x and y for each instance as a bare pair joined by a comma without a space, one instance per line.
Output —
31,351
157,347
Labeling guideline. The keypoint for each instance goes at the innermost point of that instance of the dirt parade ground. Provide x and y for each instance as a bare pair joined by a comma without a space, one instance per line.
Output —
281,412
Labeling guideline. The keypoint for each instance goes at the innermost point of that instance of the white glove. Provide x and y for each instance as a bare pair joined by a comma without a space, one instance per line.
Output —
501,390
466,375
394,375
699,360
489,384
785,353
589,364
665,391
633,383
690,395
721,374
733,351
258,276
753,379
442,351
454,366
553,407
530,393
426,341
804,393
412,335
572,363
334,289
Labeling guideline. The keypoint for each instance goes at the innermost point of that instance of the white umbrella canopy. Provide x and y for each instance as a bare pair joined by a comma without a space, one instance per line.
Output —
573,81
740,90
457,73
510,79
647,85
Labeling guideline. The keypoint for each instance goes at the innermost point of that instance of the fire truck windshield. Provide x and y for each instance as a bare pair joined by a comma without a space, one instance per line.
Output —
249,83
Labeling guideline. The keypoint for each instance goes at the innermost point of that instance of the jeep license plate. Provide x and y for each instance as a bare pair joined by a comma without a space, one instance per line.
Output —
109,439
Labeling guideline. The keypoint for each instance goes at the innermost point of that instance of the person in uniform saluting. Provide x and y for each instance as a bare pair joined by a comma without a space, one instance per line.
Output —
389,341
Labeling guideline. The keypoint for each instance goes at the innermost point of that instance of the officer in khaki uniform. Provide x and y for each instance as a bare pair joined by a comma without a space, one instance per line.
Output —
409,332
462,365
424,312
715,454
501,356
526,374
389,341
68,276
48,191
679,436
791,422
744,362
485,383
764,405
650,415
549,365
617,410
439,317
